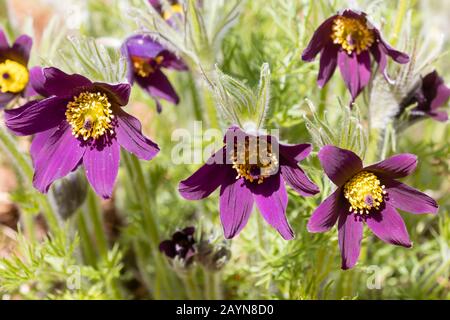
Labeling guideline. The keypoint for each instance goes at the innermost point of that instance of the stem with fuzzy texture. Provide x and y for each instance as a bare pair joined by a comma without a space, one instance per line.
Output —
143,195
401,12
86,245
95,215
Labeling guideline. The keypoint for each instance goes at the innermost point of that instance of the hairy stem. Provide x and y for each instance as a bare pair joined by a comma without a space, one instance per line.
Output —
93,209
144,197
401,12
86,244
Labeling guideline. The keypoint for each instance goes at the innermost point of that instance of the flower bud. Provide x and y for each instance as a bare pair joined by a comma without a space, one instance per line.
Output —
69,194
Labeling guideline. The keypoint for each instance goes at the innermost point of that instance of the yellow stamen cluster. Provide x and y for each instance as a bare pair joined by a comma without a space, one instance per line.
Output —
143,67
364,192
352,34
253,163
90,115
175,8
13,76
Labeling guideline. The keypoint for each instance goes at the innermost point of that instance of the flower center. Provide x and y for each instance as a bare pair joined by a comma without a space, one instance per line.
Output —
90,115
175,8
255,162
352,34
364,192
14,77
144,67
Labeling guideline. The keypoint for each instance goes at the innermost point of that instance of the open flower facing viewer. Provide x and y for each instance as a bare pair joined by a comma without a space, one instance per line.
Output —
79,122
251,169
348,40
14,73
367,195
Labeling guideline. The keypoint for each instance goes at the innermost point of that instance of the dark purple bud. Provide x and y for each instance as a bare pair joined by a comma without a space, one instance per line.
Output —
181,245
69,194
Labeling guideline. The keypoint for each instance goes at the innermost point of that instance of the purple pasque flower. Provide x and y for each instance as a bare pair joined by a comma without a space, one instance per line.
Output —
181,245
367,195
79,122
14,73
346,40
146,57
175,9
248,169
430,94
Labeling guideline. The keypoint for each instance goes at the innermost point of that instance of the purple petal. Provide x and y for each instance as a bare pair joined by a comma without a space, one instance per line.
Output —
200,184
22,46
355,14
389,226
6,98
397,166
355,70
101,163
339,164
120,93
29,91
189,230
236,135
364,69
36,116
236,204
328,61
168,247
158,86
60,83
327,213
155,3
130,69
396,55
271,200
439,115
37,81
348,65
380,57
442,95
143,46
58,156
408,199
171,61
319,39
295,152
130,137
350,231
39,142
296,178
3,40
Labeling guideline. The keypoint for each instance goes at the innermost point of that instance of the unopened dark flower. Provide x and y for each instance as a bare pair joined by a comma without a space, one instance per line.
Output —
69,193
213,256
250,169
146,59
367,195
79,122
14,73
181,245
346,40
430,94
